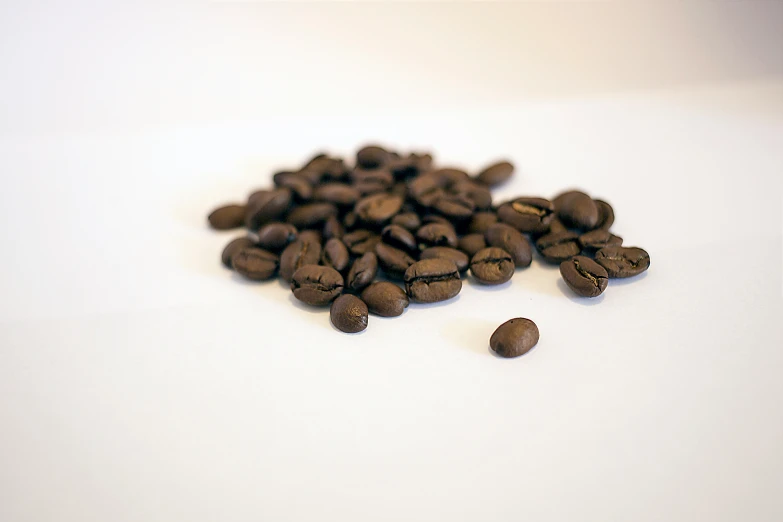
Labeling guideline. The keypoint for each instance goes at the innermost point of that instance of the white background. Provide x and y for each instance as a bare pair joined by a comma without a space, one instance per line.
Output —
141,381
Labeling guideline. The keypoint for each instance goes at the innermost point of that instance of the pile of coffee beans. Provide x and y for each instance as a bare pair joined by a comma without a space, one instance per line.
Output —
330,229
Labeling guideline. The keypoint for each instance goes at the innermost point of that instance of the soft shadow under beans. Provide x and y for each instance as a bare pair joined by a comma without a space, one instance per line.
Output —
584,301
435,305
488,288
626,280
316,310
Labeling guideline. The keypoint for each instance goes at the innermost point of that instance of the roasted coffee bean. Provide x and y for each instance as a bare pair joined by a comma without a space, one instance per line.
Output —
432,280
555,226
605,214
316,157
361,241
595,240
372,157
385,299
436,234
349,314
481,221
331,169
532,215
311,235
378,209
333,228
340,194
558,246
335,254
407,220
313,176
514,337
576,210
449,176
350,220
299,185
398,237
362,272
266,206
393,261
298,254
233,247
311,215
512,241
227,217
455,207
276,236
381,176
623,261
584,276
425,190
255,264
492,266
368,188
399,189
317,285
472,243
496,173
410,166
452,254
478,194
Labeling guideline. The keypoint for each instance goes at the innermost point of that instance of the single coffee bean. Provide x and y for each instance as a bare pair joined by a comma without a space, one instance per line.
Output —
481,221
385,299
623,261
312,175
437,234
595,240
311,215
425,189
531,215
432,280
255,264
372,157
276,236
333,228
605,214
300,253
299,185
492,266
472,243
233,247
448,177
361,241
512,241
335,254
266,206
340,194
393,261
584,276
311,235
398,237
407,220
577,210
362,272
455,207
227,217
410,166
496,173
514,337
558,246
378,209
317,285
452,254
331,169
349,314
478,194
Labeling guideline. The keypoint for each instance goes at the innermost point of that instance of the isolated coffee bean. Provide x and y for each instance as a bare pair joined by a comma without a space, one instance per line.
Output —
558,246
299,185
311,215
362,272
595,240
432,280
378,209
408,220
276,236
333,228
227,217
340,194
492,266
475,192
335,254
584,276
623,261
255,264
298,254
398,237
576,210
385,299
530,215
349,314
233,247
436,234
361,241
512,241
481,221
605,214
317,285
514,337
372,157
472,243
452,254
393,261
496,173
266,206
455,207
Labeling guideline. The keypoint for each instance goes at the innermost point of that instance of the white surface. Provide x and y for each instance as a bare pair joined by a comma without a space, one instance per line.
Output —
140,381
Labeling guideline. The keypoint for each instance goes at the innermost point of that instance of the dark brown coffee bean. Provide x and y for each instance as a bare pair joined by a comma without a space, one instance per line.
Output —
558,246
496,173
385,299
372,157
317,285
298,254
299,185
481,221
407,220
410,166
595,240
333,228
472,243
398,237
514,337
313,176
576,210
425,190
335,254
311,235
330,169
452,254
233,247
605,214
478,194
455,207
255,264
436,234
349,314
311,215
361,241
393,261
432,280
368,188
448,177
276,236
623,261
584,276
266,206
227,217
380,176
512,241
556,226
362,272
531,215
340,194
492,266
378,209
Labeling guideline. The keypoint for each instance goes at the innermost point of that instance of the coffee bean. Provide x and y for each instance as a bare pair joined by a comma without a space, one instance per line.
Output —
266,206
595,240
368,188
349,314
623,261
312,175
380,176
333,228
472,243
399,189
378,209
425,190
432,280
362,272
276,236
481,221
335,254
478,194
496,173
577,210
437,234
385,299
558,246
372,157
512,241
311,215
584,276
532,215
393,261
227,217
514,337
255,264
455,207
410,166
331,169
555,226
448,177
407,220
452,254
317,285
492,266
398,237
605,214
340,194
300,253
299,185
361,241
312,236
233,247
